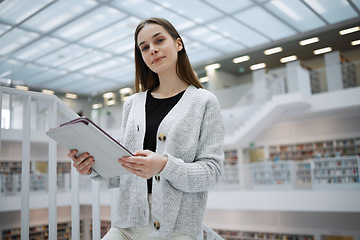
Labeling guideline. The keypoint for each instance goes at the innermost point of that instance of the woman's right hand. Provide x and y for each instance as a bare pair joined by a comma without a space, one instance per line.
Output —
82,163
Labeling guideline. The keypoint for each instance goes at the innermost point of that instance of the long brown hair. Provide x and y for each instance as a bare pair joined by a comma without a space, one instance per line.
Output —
145,78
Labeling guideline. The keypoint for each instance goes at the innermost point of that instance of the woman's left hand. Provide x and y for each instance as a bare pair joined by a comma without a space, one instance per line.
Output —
144,163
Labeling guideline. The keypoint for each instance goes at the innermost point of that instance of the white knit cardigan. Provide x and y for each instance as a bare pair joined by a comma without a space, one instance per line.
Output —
194,134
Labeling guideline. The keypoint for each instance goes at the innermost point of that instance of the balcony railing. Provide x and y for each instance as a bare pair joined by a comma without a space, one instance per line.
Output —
337,173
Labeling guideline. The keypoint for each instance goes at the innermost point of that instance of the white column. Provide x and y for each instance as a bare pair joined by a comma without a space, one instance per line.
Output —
298,79
259,85
214,82
75,204
52,173
333,71
25,169
96,230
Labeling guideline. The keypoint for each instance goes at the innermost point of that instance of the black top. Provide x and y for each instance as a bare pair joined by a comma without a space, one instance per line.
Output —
155,110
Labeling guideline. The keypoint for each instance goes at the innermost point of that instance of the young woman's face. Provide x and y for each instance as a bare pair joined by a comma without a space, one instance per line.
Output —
159,50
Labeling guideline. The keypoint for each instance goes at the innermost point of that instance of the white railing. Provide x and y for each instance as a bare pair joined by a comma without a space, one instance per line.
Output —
333,173
351,74
318,81
55,108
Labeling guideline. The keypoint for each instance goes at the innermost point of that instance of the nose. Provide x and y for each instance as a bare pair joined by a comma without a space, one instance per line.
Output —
153,50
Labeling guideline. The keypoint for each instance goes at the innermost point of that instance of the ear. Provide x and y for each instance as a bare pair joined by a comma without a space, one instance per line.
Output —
179,44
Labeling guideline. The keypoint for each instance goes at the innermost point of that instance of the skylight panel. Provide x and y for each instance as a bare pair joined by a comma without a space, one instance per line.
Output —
238,32
57,14
4,28
99,87
44,76
230,6
296,14
145,9
66,80
39,48
25,71
63,55
333,11
122,46
89,23
7,66
190,9
113,33
85,60
265,23
117,73
14,39
15,11
213,40
106,65
201,56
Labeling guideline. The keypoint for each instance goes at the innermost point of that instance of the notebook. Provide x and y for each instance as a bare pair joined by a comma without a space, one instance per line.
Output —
85,136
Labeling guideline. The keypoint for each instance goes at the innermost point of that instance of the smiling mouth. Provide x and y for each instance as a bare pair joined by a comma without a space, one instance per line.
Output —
157,60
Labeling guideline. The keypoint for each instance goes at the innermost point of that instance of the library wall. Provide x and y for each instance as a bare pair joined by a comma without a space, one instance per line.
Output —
315,223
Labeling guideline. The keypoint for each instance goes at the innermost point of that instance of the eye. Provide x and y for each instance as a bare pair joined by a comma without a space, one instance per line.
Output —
160,40
144,48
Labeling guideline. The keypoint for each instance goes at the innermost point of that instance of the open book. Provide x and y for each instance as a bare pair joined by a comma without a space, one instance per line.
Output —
85,136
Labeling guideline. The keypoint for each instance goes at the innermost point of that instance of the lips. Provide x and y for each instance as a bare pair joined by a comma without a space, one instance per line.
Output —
156,60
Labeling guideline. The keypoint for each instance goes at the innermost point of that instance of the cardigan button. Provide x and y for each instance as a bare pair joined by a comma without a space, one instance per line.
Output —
156,225
162,137
157,178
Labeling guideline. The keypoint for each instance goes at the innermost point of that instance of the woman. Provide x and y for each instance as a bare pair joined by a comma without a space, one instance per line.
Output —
180,126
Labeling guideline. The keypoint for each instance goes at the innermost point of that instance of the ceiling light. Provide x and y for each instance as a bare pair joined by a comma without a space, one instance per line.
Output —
126,90
110,102
204,79
51,92
257,66
349,30
322,50
356,42
288,59
309,41
213,66
241,59
71,95
108,95
97,106
273,50
22,87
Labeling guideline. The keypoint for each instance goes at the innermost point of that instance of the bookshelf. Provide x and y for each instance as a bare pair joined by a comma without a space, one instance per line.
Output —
246,235
309,150
330,173
231,171
39,232
274,175
303,172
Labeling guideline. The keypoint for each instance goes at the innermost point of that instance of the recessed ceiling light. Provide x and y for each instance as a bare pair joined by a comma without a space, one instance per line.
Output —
273,50
322,50
213,66
22,87
241,59
257,66
71,95
204,79
349,30
356,42
288,59
97,106
108,95
309,41
51,92
125,90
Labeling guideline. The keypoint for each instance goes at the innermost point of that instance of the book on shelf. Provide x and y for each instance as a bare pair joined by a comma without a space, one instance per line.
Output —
85,136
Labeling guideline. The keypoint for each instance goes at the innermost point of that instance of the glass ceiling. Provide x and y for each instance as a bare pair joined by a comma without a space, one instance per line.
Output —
86,47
